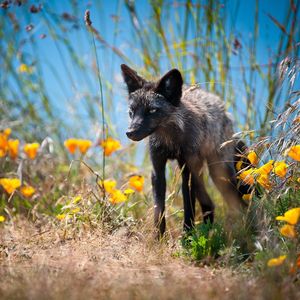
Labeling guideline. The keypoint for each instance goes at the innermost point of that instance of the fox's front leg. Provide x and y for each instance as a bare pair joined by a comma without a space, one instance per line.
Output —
159,189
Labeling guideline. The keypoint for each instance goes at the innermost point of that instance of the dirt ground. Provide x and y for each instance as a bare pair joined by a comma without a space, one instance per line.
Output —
37,263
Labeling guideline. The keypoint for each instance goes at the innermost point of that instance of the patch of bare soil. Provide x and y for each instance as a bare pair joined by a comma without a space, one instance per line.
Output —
36,263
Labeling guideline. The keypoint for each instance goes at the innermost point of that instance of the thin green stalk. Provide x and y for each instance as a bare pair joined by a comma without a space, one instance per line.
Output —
91,29
102,104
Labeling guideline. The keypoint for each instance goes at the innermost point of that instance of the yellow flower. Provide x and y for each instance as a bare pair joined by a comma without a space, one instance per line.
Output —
291,216
10,184
248,176
108,185
60,217
274,262
116,196
84,145
6,145
110,145
266,168
128,192
76,199
298,180
75,210
238,165
7,132
247,197
2,152
31,150
27,190
294,152
3,143
71,145
264,181
2,219
23,68
253,158
280,168
288,231
13,148
137,182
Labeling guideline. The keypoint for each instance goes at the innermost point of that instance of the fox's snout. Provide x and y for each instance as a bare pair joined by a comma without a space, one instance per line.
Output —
133,135
137,132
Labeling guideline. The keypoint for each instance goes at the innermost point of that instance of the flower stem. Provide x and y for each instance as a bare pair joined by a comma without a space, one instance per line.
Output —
102,103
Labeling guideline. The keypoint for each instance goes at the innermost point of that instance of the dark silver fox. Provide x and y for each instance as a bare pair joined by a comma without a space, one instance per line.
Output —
187,124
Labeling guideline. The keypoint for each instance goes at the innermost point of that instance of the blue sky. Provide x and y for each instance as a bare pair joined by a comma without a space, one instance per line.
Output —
66,87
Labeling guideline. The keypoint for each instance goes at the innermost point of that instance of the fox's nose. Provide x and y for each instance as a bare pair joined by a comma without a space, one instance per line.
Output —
130,133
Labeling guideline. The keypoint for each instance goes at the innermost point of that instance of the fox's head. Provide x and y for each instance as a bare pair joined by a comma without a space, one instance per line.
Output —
151,103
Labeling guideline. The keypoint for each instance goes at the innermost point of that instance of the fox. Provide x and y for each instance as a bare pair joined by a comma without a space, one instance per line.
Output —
187,124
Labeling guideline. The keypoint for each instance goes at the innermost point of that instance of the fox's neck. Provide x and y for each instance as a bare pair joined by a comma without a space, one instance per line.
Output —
171,134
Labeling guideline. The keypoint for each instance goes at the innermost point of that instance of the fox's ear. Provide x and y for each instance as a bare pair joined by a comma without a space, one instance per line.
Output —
132,79
170,86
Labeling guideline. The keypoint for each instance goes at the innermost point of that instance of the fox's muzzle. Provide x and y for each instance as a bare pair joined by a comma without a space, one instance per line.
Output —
136,135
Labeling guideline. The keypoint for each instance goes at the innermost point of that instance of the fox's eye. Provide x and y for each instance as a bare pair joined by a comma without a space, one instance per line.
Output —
130,114
153,110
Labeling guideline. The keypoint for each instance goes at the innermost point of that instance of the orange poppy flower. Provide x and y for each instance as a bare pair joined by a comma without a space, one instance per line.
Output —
108,185
288,231
7,132
264,181
266,168
252,156
13,148
117,196
10,184
274,262
137,182
27,190
294,152
110,145
247,197
291,216
31,150
280,168
84,145
71,145
247,176
238,165
4,142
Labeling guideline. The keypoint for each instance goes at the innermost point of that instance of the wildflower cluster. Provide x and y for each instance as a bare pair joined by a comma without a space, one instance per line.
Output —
13,153
73,144
115,195
288,230
262,175
10,147
10,185
109,145
10,150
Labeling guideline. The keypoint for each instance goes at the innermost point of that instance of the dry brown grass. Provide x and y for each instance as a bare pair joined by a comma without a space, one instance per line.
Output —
38,263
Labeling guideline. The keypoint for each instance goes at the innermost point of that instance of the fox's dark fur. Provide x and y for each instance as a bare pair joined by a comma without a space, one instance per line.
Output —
190,125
